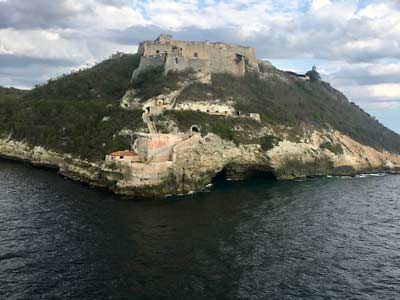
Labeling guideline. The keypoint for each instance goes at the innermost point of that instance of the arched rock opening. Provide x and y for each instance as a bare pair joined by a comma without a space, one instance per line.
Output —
220,177
239,172
195,129
243,173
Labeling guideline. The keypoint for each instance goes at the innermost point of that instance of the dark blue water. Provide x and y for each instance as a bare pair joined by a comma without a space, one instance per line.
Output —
317,239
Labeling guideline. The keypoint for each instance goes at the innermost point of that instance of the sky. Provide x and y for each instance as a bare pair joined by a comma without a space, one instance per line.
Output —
354,43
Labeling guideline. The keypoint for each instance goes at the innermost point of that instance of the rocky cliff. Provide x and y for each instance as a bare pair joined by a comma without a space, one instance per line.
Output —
201,158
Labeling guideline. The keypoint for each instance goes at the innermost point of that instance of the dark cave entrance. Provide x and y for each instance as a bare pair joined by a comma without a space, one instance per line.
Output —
195,129
243,175
220,178
255,174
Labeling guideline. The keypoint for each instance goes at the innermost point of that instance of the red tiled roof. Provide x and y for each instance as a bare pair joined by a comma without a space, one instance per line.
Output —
124,153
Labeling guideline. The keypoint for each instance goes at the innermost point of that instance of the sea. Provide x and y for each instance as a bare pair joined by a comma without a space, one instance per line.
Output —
326,238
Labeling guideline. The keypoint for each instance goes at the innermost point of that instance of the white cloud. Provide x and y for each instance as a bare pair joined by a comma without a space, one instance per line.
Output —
42,44
359,48
112,17
388,91
319,4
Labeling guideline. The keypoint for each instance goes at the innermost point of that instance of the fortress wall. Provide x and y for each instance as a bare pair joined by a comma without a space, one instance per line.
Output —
151,144
189,49
179,63
200,56
151,48
149,173
152,61
140,50
224,61
148,62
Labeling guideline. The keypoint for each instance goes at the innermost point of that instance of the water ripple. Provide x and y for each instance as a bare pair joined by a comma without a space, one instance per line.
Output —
333,238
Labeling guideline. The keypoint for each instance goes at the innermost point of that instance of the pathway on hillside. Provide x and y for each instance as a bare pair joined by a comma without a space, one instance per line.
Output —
150,124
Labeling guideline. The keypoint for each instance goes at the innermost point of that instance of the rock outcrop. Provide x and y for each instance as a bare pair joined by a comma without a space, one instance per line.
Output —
197,160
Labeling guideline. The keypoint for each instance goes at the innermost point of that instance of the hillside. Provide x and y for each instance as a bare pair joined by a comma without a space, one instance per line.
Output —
79,113
12,93
280,99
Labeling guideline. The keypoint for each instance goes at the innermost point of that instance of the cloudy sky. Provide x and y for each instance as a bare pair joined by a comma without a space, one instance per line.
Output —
354,43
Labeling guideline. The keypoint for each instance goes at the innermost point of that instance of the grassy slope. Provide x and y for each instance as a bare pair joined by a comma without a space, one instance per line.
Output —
281,99
66,114
11,93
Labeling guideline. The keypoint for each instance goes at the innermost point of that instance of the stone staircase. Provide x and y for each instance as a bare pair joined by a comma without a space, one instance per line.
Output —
150,124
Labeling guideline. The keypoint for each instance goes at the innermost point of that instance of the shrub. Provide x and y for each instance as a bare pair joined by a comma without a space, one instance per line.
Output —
281,99
334,148
152,82
108,80
268,142
69,127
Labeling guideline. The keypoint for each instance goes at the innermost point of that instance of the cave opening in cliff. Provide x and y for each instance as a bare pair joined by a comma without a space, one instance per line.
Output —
220,177
260,175
255,175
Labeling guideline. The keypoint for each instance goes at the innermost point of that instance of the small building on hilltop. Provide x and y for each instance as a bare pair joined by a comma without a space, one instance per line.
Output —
122,157
204,57
298,76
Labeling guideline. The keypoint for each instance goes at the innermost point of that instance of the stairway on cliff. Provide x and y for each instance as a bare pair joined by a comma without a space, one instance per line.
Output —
150,124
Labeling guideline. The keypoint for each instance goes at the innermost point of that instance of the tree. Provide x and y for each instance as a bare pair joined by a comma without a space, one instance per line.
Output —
313,74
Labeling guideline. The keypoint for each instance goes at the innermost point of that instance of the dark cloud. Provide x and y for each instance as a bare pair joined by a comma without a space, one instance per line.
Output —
13,61
24,71
22,14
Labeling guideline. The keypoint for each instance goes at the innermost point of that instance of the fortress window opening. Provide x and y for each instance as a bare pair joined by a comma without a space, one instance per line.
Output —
196,54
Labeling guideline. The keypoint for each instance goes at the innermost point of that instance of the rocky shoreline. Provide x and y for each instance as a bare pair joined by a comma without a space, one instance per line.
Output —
195,165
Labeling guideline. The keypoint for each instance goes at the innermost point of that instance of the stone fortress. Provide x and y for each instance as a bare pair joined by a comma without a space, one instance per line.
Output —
153,154
204,57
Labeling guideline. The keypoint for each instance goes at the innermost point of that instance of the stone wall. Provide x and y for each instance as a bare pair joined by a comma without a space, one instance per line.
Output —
204,57
207,107
143,174
180,63
156,146
149,62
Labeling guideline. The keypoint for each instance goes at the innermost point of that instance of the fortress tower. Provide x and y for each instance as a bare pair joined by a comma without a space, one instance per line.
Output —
202,57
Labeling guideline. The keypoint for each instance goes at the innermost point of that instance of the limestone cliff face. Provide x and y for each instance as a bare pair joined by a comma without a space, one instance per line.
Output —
76,169
198,159
307,158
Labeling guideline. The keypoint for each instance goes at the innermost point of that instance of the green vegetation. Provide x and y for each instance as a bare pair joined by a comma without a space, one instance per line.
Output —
152,82
11,93
234,129
67,115
268,142
108,81
79,113
284,100
76,128
334,148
